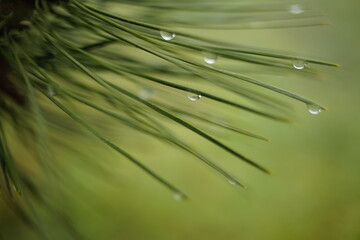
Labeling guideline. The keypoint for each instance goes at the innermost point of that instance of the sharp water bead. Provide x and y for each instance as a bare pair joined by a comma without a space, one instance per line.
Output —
299,64
314,109
232,182
296,9
167,35
194,96
235,181
210,58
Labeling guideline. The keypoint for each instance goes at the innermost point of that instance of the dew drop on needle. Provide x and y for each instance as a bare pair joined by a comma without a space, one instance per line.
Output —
296,9
167,35
178,196
299,64
314,109
210,58
194,96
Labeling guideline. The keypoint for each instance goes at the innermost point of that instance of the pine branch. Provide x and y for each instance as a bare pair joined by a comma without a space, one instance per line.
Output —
43,44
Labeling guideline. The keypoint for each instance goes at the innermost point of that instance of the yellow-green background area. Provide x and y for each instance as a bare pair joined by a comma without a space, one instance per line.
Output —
314,192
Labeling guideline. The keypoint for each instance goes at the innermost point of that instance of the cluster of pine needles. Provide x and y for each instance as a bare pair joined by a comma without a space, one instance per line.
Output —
141,63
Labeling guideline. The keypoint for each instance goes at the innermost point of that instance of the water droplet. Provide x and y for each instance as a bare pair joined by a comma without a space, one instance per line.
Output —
178,196
314,109
194,96
146,93
299,64
167,35
232,182
52,91
210,58
296,9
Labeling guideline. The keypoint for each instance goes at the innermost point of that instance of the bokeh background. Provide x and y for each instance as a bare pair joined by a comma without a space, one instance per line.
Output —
314,192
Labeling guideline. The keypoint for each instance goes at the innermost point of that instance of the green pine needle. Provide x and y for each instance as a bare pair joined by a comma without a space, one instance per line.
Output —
144,45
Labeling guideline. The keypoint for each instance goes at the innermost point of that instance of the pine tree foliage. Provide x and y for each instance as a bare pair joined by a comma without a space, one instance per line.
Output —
143,63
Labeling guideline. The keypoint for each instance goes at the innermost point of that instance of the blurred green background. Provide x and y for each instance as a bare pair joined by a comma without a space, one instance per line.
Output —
314,192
